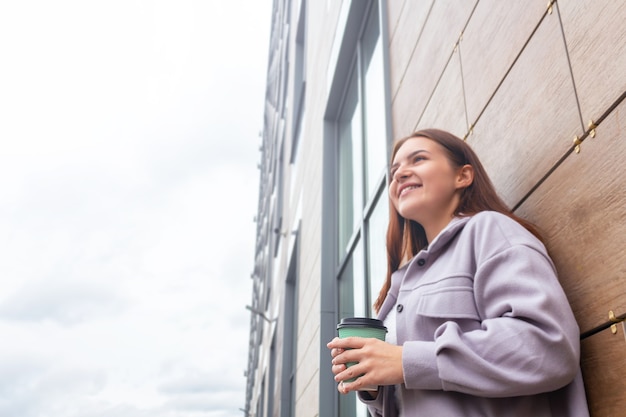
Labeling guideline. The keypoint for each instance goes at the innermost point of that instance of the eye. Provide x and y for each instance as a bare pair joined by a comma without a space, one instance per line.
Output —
418,158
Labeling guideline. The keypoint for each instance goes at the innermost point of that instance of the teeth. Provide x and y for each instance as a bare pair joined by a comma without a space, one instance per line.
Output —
410,187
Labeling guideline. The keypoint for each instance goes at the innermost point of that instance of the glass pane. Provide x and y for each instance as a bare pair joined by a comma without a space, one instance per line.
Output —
376,244
295,155
348,405
361,409
350,167
374,103
352,301
351,406
346,289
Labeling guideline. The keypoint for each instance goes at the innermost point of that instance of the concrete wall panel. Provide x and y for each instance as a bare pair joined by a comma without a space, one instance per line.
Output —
307,384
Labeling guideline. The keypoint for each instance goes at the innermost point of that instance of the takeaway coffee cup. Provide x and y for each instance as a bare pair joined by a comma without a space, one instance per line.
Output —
361,327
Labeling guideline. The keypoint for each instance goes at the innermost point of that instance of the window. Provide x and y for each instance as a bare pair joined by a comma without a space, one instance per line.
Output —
299,80
290,332
355,208
360,204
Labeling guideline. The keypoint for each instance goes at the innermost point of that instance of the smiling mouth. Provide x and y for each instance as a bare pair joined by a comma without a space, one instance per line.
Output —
409,188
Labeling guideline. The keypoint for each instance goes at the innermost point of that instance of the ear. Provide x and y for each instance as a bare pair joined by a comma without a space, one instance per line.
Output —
465,176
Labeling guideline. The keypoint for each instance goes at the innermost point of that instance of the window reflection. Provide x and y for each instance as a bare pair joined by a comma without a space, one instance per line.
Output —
350,167
376,246
374,105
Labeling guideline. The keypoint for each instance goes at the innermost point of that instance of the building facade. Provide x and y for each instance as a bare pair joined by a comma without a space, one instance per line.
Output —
537,89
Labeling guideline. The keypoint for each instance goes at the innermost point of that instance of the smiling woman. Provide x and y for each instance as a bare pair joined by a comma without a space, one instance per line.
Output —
425,187
478,322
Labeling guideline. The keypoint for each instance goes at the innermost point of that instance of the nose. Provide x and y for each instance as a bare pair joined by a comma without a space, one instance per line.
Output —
400,174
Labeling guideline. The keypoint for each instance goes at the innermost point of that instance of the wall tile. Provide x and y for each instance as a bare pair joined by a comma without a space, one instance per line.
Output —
595,34
409,27
494,36
307,382
434,48
581,208
603,369
394,11
530,122
446,108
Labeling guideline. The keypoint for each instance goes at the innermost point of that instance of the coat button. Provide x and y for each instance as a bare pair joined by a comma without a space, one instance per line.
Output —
399,308
421,261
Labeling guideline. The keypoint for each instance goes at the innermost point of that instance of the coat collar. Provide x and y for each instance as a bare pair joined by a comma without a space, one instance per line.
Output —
438,243
442,239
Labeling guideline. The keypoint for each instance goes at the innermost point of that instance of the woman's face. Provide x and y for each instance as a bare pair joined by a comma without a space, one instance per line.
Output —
424,185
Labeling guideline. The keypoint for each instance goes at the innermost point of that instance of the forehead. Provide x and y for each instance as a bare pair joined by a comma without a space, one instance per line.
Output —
415,144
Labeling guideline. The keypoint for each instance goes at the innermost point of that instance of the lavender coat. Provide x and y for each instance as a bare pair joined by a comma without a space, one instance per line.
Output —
486,328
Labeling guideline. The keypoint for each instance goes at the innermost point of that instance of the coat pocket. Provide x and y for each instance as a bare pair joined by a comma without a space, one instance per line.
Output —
450,303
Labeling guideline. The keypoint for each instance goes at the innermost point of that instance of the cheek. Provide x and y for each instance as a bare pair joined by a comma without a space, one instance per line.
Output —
392,190
392,196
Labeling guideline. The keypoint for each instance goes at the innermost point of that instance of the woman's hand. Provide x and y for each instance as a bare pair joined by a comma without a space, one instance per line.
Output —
379,363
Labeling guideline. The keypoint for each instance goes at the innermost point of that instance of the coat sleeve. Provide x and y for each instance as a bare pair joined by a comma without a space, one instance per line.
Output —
527,341
374,406
383,405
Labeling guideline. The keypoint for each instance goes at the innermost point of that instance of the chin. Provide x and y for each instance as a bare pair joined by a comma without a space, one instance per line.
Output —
409,215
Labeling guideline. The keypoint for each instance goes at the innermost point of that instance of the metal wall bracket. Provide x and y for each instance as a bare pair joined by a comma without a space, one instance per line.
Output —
590,132
615,320
611,323
591,128
577,142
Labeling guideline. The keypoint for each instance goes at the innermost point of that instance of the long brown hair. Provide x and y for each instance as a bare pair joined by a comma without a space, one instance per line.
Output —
405,238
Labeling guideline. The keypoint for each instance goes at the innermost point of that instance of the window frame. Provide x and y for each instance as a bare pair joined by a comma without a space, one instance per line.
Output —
350,30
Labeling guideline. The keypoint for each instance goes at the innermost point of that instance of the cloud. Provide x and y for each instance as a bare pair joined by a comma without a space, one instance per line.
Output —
67,303
130,143
215,386
31,383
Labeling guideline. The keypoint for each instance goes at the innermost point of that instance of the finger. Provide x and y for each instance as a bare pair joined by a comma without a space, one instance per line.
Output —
346,356
344,387
336,351
348,373
347,343
338,368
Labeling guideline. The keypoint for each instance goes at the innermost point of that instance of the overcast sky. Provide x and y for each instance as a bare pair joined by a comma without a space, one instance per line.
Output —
128,187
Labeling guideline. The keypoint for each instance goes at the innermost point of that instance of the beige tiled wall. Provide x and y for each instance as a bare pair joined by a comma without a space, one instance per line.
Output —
532,117
492,40
413,84
524,80
581,208
595,34
519,81
322,20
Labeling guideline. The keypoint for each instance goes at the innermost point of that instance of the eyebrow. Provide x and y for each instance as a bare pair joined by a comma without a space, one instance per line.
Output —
409,156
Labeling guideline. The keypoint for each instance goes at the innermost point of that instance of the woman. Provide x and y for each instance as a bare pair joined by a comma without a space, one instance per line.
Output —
478,322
